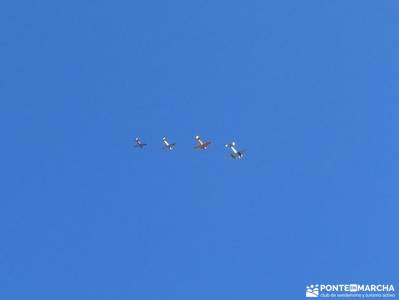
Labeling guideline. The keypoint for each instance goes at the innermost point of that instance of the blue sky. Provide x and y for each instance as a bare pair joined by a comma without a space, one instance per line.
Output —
309,88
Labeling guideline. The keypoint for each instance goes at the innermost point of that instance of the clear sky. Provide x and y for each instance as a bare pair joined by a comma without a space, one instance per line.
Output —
308,88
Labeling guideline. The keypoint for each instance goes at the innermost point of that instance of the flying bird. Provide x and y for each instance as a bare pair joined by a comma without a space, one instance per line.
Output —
235,154
201,144
139,143
167,145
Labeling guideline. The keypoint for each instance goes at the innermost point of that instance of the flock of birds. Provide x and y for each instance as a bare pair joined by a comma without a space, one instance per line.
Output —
201,145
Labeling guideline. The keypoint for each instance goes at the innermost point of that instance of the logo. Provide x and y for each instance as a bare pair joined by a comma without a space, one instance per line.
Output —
312,291
353,290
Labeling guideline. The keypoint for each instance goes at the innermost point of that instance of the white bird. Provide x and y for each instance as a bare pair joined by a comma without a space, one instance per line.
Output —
139,143
167,145
236,154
